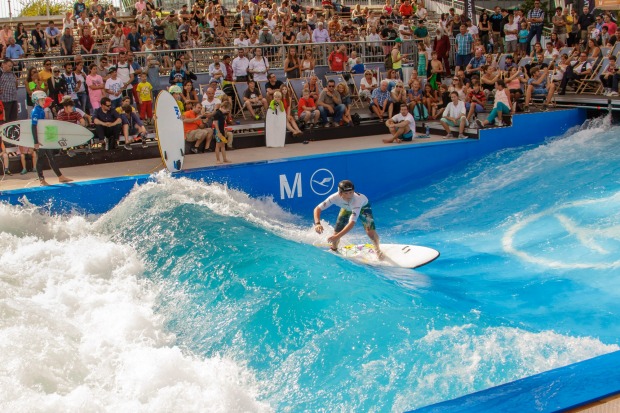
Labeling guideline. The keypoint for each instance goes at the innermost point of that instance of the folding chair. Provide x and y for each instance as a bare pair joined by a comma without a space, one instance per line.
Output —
592,84
357,81
240,88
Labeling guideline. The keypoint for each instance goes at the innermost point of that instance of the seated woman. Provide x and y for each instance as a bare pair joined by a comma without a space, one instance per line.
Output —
345,97
488,79
431,100
367,85
398,97
501,106
286,102
514,81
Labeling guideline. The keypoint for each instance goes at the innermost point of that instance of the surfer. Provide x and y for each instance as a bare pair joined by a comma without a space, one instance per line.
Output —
352,206
39,99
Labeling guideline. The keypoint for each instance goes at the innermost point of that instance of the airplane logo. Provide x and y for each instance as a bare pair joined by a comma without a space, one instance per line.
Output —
322,181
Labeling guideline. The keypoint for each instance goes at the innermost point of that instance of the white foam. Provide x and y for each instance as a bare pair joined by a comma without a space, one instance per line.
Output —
472,359
78,329
478,187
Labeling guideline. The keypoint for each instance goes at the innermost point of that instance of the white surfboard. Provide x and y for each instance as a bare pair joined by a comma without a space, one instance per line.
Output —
53,134
169,131
275,128
395,255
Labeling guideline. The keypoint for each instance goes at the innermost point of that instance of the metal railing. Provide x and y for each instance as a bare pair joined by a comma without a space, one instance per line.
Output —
199,59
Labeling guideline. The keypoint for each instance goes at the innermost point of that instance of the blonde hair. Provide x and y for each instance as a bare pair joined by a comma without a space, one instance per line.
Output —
277,94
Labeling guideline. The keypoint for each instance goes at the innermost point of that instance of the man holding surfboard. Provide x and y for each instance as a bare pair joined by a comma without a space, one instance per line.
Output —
352,206
38,98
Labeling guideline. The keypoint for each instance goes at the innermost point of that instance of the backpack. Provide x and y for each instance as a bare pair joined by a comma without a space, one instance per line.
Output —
356,119
389,65
420,112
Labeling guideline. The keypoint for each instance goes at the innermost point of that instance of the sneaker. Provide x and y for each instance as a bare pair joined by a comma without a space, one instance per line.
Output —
545,107
24,172
499,123
613,93
7,172
106,144
315,125
144,144
449,136
194,149
128,147
326,125
526,109
461,136
257,117
70,153
480,124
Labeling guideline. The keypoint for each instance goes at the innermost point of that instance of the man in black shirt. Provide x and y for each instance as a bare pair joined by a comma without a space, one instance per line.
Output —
388,35
272,86
585,20
107,124
38,39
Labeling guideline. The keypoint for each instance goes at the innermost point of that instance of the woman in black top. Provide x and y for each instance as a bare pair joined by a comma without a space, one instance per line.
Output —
291,64
21,37
288,37
484,26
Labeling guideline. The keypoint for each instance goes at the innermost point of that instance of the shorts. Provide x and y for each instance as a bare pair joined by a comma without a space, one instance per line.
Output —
479,107
365,216
462,60
450,123
196,135
540,91
219,138
407,136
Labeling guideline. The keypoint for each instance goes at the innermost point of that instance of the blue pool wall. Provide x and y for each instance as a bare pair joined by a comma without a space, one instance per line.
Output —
295,184
379,173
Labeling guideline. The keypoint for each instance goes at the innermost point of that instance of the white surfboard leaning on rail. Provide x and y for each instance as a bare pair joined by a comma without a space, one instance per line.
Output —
394,255
53,134
169,131
275,128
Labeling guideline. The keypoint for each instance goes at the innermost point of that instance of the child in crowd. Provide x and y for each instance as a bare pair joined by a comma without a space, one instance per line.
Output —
145,98
114,88
219,129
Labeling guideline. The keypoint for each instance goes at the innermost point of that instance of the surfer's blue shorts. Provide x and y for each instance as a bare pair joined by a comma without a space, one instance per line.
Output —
365,216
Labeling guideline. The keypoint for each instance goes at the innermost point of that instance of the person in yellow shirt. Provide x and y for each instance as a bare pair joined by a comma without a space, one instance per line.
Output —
145,98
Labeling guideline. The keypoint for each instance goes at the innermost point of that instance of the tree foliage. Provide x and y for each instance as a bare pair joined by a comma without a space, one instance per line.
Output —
33,8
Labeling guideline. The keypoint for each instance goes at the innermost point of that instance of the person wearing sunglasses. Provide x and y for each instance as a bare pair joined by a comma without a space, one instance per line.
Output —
108,124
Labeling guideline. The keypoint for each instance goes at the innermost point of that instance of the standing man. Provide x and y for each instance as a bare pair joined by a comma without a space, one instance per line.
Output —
259,66
585,20
38,98
8,91
559,25
496,27
66,43
535,18
352,206
125,73
464,48
240,66
511,31
171,28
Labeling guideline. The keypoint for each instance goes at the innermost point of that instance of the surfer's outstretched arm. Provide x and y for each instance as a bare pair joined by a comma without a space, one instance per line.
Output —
317,220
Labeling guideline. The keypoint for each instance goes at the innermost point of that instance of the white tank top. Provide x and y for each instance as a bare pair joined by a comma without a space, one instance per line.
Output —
500,96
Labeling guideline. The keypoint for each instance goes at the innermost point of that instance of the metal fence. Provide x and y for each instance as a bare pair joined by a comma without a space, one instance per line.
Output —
198,60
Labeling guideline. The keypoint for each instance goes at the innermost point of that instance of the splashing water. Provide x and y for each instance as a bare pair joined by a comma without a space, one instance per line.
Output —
190,297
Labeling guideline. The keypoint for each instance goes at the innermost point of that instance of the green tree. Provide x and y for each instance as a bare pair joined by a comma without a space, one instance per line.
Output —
33,8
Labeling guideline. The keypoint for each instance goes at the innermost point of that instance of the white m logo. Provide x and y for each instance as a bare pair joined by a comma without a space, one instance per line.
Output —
285,188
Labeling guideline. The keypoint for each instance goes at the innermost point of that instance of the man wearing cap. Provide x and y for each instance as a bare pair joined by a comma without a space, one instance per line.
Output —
114,88
171,27
320,34
507,64
352,206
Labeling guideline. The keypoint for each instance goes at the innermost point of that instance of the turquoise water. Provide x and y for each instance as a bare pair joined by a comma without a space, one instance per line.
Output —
188,295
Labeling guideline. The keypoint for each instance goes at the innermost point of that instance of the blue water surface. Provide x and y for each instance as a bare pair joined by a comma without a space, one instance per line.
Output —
527,279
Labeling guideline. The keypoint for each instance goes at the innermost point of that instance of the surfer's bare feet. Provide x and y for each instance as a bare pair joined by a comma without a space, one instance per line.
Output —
64,179
380,255
227,161
218,162
43,182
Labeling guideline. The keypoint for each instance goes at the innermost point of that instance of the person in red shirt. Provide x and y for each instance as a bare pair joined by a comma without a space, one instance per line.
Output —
307,110
195,128
87,43
405,9
337,59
